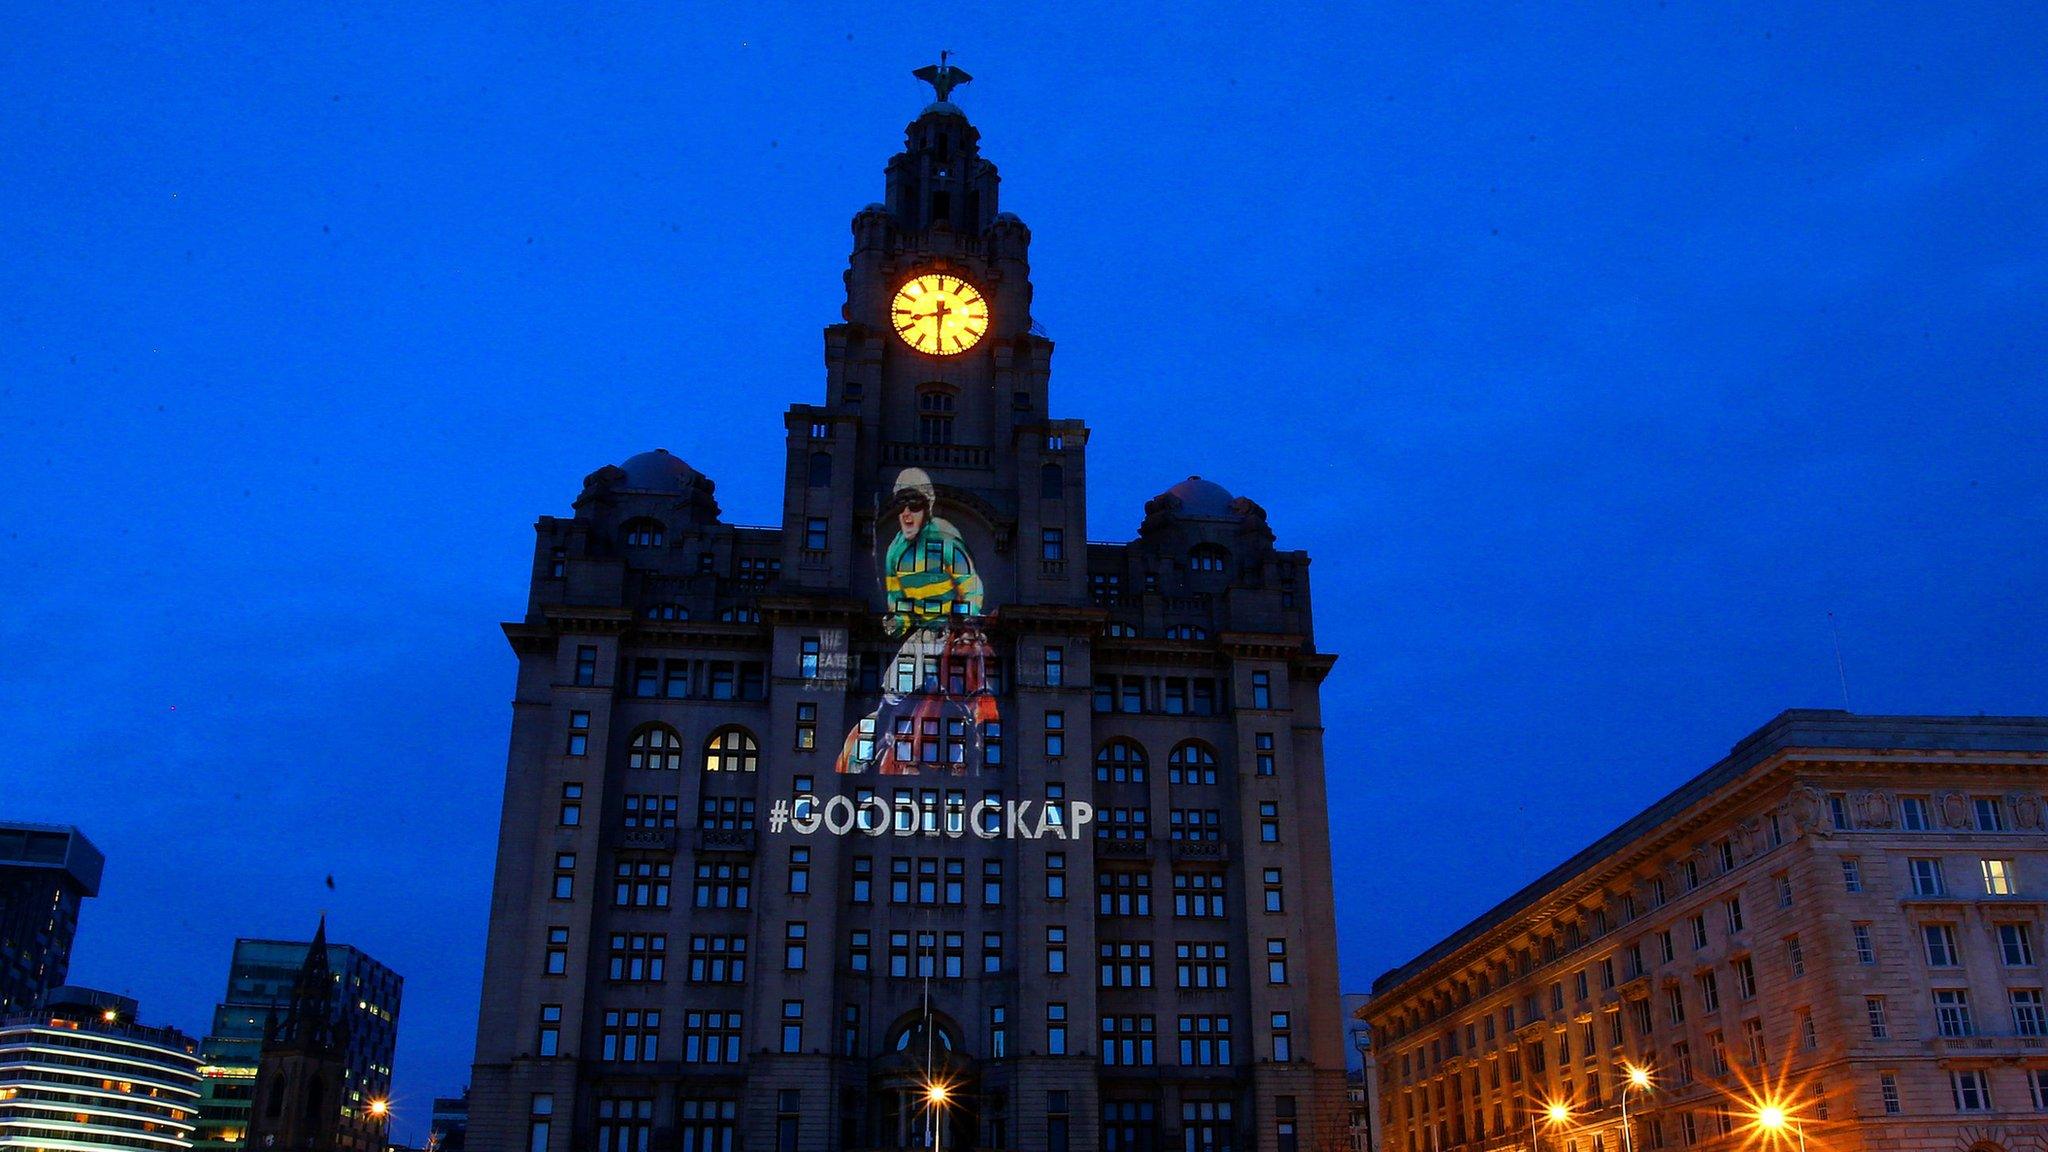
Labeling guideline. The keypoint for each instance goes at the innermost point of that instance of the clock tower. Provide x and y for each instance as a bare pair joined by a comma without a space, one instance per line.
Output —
916,820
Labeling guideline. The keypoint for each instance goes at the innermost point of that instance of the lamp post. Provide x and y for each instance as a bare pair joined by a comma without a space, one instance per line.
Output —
1555,1113
935,1095
1772,1118
1636,1078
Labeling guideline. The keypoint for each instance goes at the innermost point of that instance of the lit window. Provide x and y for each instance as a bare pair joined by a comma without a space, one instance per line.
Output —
1998,878
731,750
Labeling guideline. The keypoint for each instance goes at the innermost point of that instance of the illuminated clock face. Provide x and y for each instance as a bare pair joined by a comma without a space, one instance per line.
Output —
939,314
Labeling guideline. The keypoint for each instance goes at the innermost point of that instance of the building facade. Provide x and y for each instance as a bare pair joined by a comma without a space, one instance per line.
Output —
80,1072
46,872
920,788
262,975
1842,920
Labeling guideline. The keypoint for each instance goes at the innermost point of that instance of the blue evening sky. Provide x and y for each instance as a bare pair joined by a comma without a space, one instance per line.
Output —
1596,352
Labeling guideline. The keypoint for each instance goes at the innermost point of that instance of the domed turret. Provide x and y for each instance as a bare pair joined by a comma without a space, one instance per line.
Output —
659,471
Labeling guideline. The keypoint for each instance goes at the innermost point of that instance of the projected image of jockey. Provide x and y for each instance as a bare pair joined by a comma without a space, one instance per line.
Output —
936,698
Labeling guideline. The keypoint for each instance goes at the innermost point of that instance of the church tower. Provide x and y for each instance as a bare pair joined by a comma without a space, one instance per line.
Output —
919,820
302,1076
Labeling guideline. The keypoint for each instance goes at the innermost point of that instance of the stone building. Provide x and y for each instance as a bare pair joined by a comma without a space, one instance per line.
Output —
920,788
1842,920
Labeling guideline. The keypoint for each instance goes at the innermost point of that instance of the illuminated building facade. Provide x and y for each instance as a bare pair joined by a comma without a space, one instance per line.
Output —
921,785
1842,920
46,872
81,1073
262,978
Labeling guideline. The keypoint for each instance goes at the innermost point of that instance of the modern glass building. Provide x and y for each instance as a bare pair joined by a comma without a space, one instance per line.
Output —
261,975
46,872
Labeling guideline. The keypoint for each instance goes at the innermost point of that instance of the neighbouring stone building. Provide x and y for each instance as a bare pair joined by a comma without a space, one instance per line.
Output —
1842,920
919,818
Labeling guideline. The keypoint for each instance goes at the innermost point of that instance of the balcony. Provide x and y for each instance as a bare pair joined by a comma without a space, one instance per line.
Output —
723,840
941,455
649,839
1109,848
1201,850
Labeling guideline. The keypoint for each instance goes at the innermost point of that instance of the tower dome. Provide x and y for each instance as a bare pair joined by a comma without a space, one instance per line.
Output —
659,471
1199,497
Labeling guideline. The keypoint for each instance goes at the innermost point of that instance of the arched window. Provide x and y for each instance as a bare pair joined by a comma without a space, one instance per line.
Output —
935,414
316,1090
1187,632
667,612
1118,628
1191,762
821,469
1120,761
274,1104
1207,558
911,1037
643,532
656,746
740,616
731,750
1052,482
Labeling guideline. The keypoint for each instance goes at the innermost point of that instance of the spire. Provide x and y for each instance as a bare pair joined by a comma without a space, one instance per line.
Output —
310,1015
943,77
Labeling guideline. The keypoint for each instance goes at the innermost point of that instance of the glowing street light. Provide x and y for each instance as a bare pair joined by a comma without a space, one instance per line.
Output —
380,1108
1556,1114
1638,1077
936,1095
1772,1118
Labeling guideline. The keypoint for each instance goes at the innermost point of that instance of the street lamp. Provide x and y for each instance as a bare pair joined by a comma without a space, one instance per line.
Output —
1773,1118
1555,1113
1636,1078
935,1094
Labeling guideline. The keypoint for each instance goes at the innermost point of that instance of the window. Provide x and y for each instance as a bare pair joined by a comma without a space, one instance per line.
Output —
1262,744
1733,906
1972,1090
1191,762
795,935
1745,978
1784,881
1926,873
638,883
1120,761
1717,1053
638,958
1274,900
1990,813
1838,811
792,1026
731,750
2028,1018
550,1039
991,952
1664,949
572,805
1056,876
538,1123
1201,965
1874,1012
1753,1040
586,666
1913,814
934,415
1052,544
863,880
1852,875
656,746
565,876
1674,1004
1681,1063
1795,956
1952,1012
2037,1087
1941,945
1128,1041
1197,895
2016,945
1206,558
720,959
1204,1041
647,810
557,952
1998,878
1276,961
1055,1028
1888,1088
1124,964
1269,821
1055,666
630,1035
808,650
711,1037
1710,992
1055,735
719,885
1196,824
1866,952
1262,690
642,532
579,734
1055,949
1699,932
